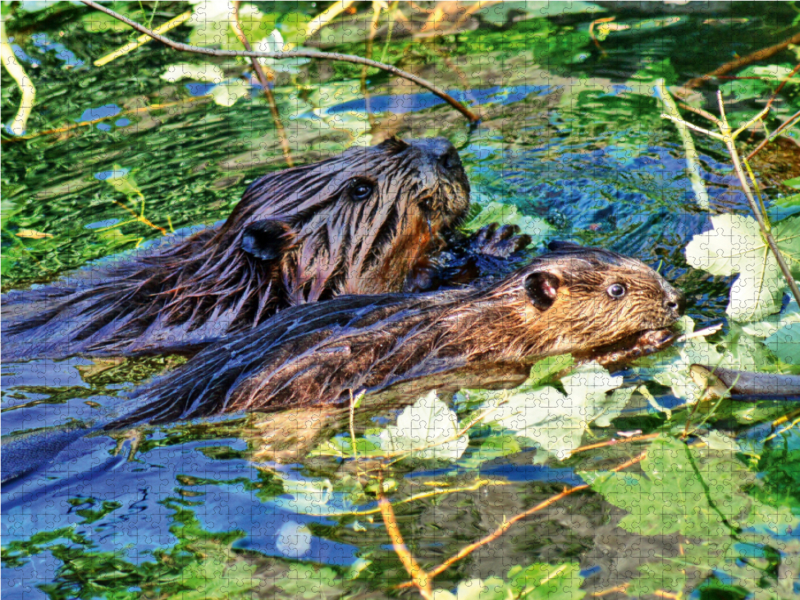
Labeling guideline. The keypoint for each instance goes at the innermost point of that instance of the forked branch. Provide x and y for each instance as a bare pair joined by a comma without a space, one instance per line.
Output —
314,54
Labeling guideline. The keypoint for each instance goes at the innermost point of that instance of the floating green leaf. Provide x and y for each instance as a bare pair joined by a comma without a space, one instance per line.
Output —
229,92
734,246
555,421
196,72
428,429
695,491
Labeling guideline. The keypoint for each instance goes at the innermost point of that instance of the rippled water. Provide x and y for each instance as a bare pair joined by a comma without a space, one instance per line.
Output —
566,134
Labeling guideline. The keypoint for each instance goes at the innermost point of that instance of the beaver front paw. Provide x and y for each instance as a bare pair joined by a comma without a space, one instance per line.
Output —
498,241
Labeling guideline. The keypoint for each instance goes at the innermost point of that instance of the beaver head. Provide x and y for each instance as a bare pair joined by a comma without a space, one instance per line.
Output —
587,302
356,223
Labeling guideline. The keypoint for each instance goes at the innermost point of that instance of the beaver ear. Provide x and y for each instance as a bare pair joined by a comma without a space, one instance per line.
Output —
542,288
394,145
266,239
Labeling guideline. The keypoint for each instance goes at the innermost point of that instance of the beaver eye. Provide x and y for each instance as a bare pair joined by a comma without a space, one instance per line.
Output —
361,189
616,291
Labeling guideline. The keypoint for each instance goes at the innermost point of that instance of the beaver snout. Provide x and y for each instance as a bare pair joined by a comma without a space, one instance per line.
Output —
442,153
675,301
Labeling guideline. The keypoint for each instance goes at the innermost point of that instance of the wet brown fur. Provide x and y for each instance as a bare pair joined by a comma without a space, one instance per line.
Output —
318,242
318,354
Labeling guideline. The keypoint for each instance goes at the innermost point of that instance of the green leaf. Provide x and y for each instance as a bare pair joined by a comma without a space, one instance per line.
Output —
697,492
425,430
763,329
211,19
547,582
787,236
793,183
785,343
664,575
229,92
493,588
734,245
197,72
122,181
295,583
557,422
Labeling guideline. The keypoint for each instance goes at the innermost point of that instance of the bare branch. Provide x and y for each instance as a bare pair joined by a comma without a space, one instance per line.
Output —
472,117
787,124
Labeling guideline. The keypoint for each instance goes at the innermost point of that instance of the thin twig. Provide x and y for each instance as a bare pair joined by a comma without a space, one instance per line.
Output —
262,77
783,83
790,122
506,525
294,54
480,483
592,36
762,54
691,126
700,111
143,39
615,442
419,577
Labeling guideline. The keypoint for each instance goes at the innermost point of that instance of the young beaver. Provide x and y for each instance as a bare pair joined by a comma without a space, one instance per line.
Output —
589,302
360,223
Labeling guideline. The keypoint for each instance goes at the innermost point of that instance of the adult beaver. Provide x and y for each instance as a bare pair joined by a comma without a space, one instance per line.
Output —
592,303
363,222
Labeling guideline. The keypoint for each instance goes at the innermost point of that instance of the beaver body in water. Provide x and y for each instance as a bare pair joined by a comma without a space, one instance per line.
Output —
592,303
364,222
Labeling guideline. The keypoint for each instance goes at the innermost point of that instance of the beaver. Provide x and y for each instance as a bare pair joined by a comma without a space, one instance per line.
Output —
364,222
592,303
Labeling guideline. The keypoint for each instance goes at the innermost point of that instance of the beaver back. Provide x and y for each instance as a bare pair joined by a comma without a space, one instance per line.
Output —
356,223
573,300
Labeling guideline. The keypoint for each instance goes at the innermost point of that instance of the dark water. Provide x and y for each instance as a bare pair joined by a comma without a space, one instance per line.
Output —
568,134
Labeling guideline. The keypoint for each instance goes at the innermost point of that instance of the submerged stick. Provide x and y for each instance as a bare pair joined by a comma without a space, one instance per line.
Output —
692,158
24,82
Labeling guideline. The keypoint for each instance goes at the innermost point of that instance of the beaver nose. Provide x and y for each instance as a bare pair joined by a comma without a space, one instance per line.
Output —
675,301
440,152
